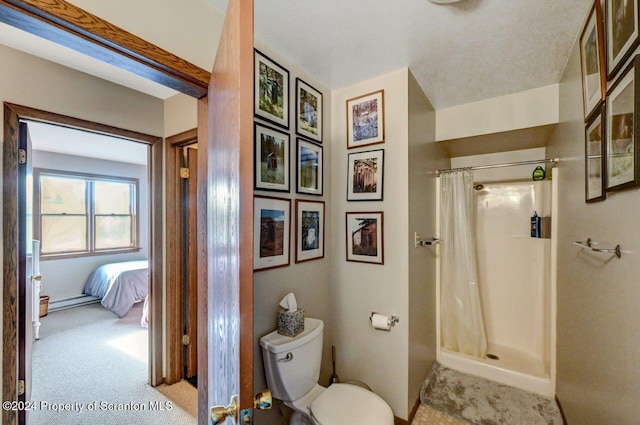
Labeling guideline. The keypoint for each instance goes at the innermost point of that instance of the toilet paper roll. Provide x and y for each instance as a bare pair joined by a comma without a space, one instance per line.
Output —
380,321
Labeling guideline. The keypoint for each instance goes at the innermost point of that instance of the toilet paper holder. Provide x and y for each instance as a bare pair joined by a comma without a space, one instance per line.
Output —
391,321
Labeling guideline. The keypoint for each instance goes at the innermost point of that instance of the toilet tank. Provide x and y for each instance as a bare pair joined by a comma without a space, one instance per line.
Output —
292,364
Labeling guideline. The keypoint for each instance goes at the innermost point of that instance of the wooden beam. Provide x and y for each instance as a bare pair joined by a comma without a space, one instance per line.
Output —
77,29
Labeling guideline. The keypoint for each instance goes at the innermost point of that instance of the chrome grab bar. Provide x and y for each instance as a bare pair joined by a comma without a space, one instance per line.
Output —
286,358
418,241
588,244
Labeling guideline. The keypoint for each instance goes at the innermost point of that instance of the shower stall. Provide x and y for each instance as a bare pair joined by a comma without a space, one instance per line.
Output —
516,284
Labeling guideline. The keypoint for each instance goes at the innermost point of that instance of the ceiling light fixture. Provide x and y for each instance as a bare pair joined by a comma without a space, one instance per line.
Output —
444,1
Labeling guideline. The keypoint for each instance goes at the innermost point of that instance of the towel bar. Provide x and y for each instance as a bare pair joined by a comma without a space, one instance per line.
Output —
588,244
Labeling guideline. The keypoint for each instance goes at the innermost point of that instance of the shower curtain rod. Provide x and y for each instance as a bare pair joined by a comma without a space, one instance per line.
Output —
507,164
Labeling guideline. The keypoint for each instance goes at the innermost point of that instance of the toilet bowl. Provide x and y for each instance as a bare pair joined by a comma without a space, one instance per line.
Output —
345,404
292,368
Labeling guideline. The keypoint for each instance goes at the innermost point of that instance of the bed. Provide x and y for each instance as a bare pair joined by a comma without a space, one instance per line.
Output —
119,285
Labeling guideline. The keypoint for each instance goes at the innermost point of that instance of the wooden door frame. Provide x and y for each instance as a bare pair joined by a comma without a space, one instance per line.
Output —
12,115
70,26
174,267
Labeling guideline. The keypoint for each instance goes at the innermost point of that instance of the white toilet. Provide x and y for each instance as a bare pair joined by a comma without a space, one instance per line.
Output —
292,366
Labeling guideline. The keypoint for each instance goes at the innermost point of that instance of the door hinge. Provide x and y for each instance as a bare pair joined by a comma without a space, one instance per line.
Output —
185,339
184,173
22,156
21,387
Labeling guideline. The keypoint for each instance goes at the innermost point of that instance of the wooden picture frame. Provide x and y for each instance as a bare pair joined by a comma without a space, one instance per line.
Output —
271,230
622,33
271,90
309,230
271,164
365,241
595,164
309,117
365,176
365,120
592,62
622,108
309,168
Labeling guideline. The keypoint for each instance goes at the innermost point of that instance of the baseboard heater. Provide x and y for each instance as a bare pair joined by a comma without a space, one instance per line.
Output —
72,302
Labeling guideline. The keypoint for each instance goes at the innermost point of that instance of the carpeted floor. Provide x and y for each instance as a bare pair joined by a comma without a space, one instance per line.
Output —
484,402
89,367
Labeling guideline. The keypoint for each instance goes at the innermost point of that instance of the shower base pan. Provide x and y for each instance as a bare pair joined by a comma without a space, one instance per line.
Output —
511,367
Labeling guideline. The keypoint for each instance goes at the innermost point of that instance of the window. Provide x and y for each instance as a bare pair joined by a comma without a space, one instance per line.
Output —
83,214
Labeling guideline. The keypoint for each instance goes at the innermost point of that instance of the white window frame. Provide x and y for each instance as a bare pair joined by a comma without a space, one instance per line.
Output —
89,179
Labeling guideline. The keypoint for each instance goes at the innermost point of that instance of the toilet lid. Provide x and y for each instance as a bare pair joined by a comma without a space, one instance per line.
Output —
345,404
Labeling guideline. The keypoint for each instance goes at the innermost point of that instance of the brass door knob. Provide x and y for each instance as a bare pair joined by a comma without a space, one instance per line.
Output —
263,400
219,414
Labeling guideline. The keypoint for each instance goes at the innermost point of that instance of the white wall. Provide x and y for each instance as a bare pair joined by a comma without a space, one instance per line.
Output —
65,278
530,108
33,82
378,358
189,31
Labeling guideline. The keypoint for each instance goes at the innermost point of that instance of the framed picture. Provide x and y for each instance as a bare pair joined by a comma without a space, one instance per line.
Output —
622,33
271,159
271,91
365,120
308,111
364,237
622,130
271,232
309,230
594,158
309,168
594,79
365,173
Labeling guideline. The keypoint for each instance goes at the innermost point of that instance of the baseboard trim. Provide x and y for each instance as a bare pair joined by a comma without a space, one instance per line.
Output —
65,303
414,410
564,418
412,414
398,421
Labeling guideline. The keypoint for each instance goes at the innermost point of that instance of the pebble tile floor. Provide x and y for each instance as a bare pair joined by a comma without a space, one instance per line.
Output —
428,416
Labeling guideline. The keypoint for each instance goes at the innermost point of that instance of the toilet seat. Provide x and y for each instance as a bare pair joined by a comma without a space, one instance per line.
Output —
344,404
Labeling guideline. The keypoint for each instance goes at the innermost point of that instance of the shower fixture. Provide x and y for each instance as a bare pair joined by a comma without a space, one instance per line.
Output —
478,187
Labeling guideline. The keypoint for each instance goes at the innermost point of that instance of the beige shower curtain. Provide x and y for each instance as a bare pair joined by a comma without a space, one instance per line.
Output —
461,312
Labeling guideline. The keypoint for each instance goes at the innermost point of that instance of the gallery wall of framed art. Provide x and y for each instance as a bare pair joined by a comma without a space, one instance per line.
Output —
610,74
288,159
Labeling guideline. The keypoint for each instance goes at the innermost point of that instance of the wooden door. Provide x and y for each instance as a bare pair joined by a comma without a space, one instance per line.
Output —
191,254
25,259
225,201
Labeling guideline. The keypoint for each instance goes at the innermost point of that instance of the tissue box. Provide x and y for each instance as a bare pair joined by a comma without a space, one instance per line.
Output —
290,323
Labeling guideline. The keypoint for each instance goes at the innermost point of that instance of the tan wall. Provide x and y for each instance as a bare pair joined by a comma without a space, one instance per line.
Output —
309,281
180,114
375,357
424,157
598,328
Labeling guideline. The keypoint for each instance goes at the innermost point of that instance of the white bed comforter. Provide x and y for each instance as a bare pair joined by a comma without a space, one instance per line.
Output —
120,285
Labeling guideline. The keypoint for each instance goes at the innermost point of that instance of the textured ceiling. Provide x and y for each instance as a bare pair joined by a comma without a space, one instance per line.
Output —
459,53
